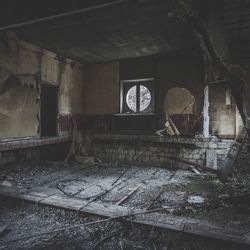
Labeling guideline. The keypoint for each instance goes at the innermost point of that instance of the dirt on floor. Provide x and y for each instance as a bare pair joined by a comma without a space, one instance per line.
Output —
24,219
181,192
184,193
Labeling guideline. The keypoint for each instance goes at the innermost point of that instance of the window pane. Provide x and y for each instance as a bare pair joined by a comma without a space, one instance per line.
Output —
131,98
145,98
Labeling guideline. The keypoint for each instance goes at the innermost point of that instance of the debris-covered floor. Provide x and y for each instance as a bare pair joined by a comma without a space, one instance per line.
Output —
25,219
181,193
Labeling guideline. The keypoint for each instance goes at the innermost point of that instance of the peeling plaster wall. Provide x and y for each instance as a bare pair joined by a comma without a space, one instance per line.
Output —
170,71
185,71
21,58
223,119
102,94
70,91
174,106
18,110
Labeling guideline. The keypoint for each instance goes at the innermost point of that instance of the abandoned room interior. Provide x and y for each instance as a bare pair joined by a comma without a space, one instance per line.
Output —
125,124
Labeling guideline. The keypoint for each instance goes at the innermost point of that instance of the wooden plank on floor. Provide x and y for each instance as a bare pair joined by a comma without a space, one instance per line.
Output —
107,210
64,202
95,208
152,201
23,194
195,227
128,195
156,219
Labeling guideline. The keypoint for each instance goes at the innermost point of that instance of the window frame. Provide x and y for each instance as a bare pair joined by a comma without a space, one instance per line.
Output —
125,85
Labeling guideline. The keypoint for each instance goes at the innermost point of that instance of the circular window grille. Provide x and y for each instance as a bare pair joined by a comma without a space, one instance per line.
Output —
145,98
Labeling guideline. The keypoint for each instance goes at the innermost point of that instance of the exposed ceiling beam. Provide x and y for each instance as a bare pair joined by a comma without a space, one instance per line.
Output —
48,18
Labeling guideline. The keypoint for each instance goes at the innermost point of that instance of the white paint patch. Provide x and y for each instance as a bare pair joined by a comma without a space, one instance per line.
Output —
206,113
6,183
195,200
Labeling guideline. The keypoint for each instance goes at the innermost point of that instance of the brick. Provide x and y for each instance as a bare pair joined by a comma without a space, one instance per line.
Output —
212,145
196,156
202,144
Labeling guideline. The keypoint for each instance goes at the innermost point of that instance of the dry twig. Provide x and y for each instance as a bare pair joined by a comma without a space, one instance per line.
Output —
107,238
80,225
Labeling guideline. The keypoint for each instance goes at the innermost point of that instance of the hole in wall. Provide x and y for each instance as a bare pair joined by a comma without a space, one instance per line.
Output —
49,109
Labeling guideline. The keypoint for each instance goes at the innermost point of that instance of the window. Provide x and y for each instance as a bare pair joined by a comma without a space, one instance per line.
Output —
137,96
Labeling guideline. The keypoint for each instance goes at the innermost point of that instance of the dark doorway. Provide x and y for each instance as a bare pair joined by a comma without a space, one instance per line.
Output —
49,102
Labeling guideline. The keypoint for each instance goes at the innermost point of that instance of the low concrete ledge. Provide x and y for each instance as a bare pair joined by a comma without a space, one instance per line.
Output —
198,142
21,143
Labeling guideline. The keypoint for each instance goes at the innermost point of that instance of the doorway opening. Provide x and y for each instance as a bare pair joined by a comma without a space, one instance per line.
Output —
49,109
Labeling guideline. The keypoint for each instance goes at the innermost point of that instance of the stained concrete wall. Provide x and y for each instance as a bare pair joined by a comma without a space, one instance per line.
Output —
101,95
170,71
102,81
18,110
225,120
21,58
247,97
174,106
184,71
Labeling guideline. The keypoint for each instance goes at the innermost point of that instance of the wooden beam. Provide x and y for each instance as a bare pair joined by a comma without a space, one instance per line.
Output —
152,201
78,11
156,219
128,195
211,170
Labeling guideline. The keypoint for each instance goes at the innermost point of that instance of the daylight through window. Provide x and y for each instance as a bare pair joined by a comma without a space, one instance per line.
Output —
137,96
145,98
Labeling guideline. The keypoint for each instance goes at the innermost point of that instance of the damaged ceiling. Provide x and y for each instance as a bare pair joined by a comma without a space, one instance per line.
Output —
121,30
101,30
236,18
